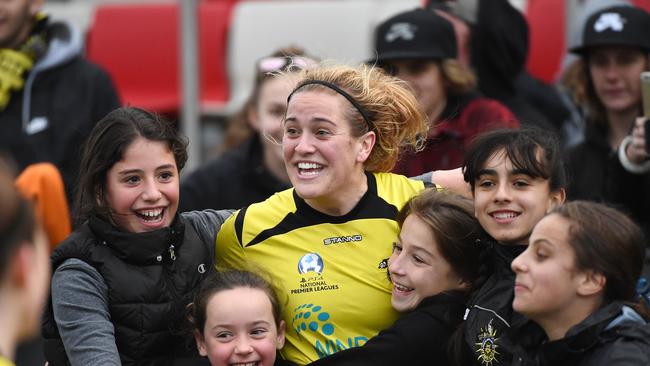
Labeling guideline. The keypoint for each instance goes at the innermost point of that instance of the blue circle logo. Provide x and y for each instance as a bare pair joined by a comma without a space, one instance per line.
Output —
310,262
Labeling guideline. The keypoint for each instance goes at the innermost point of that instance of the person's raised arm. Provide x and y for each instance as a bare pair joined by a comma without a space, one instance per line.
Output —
452,180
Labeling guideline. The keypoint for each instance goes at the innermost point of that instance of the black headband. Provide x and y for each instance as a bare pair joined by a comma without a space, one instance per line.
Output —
362,111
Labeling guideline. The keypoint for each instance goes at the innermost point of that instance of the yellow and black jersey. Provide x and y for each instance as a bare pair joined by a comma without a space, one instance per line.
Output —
331,270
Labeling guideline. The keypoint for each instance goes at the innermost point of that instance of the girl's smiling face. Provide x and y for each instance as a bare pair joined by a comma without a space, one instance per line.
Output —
508,202
142,188
240,329
417,268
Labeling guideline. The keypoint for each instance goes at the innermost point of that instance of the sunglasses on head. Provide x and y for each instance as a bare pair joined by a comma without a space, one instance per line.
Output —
273,64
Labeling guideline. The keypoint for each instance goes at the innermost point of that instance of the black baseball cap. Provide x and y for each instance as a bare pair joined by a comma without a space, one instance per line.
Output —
616,26
415,34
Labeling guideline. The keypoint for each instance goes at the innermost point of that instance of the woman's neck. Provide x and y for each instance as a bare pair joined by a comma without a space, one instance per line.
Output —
619,124
341,203
559,323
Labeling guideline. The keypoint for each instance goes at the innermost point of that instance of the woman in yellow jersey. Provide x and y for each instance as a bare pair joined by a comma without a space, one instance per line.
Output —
327,240
24,269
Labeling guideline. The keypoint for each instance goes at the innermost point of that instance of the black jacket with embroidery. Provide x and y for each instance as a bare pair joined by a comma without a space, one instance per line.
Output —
613,335
490,318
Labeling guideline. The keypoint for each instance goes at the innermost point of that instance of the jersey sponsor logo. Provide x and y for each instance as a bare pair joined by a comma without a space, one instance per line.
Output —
311,262
311,318
612,21
487,345
333,345
343,239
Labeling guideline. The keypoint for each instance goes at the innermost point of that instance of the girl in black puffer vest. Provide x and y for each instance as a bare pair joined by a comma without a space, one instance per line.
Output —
122,280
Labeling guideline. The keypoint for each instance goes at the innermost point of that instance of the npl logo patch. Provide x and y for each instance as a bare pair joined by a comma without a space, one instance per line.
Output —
311,262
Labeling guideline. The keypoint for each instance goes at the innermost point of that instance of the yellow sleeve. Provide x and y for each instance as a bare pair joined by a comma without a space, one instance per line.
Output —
229,252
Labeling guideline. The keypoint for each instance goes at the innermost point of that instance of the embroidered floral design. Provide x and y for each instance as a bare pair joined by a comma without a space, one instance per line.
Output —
487,347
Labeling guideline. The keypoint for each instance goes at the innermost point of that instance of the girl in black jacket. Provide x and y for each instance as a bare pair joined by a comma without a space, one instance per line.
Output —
516,177
577,281
433,267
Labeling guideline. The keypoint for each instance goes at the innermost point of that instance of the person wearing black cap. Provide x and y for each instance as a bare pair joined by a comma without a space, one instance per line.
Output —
496,46
419,47
611,165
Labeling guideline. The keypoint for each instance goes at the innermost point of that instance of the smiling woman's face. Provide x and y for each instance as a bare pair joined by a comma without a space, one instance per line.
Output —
324,161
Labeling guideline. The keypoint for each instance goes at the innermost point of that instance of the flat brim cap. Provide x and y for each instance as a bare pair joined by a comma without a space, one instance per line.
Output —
616,26
415,34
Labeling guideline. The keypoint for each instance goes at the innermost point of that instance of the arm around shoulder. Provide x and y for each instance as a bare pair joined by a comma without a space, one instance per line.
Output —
415,338
207,223
453,181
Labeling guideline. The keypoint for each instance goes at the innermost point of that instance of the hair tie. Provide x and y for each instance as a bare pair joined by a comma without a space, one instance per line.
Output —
362,111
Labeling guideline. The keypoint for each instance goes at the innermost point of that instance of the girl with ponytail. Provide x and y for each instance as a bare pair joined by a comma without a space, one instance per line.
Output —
577,281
